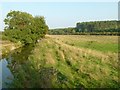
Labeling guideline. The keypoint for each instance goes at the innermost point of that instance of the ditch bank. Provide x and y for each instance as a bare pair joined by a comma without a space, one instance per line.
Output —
6,48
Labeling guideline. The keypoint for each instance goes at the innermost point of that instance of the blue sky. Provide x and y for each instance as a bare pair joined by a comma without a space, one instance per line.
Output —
65,14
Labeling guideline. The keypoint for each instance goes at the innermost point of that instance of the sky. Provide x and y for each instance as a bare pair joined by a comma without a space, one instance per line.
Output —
64,14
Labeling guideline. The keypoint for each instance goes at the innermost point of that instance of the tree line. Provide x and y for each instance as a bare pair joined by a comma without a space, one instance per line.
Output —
62,31
23,27
91,28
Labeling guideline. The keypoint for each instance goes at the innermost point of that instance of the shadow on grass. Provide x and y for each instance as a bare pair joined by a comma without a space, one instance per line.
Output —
27,74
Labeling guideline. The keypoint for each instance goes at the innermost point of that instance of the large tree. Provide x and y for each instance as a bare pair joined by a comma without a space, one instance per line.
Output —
23,27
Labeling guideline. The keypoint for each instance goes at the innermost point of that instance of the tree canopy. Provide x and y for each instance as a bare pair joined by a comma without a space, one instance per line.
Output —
97,26
23,27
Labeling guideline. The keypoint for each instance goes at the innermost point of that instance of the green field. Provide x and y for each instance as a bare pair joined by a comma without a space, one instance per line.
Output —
79,61
70,61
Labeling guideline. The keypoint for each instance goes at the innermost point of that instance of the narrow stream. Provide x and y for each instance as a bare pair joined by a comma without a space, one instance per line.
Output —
7,76
12,61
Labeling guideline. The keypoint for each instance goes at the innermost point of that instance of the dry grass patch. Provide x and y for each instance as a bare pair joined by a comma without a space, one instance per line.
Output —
49,58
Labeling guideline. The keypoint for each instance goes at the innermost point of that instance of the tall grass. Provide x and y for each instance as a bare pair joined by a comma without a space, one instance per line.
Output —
55,63
80,66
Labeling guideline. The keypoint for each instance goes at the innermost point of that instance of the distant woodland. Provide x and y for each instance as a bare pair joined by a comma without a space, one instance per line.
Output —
92,28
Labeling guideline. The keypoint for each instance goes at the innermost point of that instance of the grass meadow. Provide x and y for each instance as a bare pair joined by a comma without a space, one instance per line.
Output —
78,61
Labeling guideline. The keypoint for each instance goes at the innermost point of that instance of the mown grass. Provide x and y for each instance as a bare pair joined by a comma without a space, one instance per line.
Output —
62,62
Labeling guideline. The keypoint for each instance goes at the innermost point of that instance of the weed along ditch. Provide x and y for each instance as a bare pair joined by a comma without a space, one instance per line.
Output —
12,63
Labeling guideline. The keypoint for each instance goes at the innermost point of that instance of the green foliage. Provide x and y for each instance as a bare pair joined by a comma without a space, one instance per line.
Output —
90,28
97,26
18,20
23,27
62,31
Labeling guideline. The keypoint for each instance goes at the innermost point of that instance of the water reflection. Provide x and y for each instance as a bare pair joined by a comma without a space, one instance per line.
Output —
7,76
20,70
12,63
